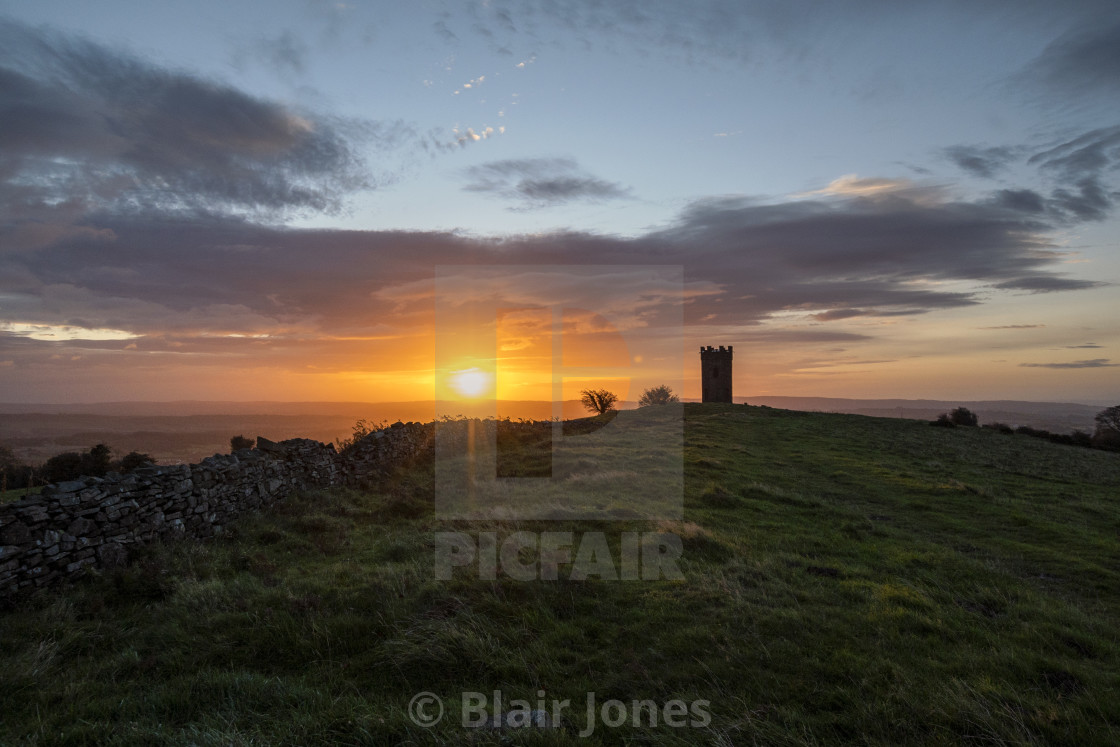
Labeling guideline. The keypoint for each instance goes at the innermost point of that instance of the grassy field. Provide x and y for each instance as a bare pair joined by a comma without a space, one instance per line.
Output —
16,493
847,580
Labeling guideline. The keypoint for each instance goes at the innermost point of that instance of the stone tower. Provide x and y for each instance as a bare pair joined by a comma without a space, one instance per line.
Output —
715,373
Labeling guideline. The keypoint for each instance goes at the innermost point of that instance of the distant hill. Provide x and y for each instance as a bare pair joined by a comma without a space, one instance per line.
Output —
1059,417
189,430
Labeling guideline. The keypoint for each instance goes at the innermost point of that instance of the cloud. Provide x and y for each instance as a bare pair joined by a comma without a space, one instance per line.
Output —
1020,200
1015,326
1078,168
541,182
1080,165
1081,63
750,267
1086,345
85,128
833,315
1094,363
851,185
984,162
1048,284
284,53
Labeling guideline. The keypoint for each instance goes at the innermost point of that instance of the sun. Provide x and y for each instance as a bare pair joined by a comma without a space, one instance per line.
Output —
470,382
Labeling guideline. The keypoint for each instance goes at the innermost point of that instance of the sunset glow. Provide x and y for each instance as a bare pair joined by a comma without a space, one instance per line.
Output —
857,212
471,383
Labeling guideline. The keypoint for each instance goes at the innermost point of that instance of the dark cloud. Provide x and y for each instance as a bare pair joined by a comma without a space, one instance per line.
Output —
1047,284
1020,200
85,128
189,280
833,315
836,314
1083,62
1086,345
541,182
1081,166
980,161
1095,363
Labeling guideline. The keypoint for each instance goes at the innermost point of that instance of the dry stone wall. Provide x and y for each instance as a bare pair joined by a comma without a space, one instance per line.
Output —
96,522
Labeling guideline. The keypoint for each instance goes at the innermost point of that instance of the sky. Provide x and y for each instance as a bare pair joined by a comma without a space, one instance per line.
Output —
258,201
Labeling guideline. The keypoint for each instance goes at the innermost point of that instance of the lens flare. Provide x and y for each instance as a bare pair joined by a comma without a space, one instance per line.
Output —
470,382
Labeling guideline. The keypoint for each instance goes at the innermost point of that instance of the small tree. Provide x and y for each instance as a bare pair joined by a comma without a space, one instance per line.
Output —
134,460
61,467
237,443
1109,419
1107,435
963,416
598,401
658,395
95,462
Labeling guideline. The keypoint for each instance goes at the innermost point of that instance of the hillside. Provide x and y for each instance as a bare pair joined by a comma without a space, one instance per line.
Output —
847,579
1058,417
184,432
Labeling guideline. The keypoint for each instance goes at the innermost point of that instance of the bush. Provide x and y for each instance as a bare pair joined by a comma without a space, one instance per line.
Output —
1107,440
133,461
361,429
964,416
237,443
943,421
1026,430
1001,427
658,395
62,467
1081,438
71,465
14,474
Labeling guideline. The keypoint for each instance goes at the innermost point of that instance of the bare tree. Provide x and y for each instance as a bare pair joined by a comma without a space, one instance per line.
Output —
598,401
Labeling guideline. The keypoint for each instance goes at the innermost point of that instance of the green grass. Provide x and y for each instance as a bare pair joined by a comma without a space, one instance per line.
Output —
16,493
847,580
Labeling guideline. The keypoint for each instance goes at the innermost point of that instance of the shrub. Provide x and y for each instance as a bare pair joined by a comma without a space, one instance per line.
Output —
61,467
1001,427
239,442
1081,438
943,421
133,461
964,416
13,473
361,429
1107,440
658,395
